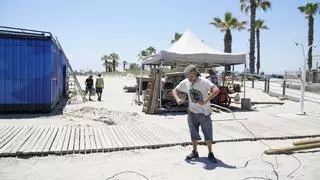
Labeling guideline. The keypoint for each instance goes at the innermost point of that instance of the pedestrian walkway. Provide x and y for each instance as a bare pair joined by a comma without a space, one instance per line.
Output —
72,139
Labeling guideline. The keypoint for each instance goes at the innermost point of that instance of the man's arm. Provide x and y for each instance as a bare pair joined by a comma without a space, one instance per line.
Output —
175,94
214,91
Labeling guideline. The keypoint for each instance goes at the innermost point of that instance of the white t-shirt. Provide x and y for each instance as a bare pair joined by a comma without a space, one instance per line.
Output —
196,92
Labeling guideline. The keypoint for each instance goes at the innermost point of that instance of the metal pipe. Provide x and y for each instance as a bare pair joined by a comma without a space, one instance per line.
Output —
284,88
303,77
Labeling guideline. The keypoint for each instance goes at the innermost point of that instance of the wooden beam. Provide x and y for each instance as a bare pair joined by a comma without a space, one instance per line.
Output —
287,150
303,142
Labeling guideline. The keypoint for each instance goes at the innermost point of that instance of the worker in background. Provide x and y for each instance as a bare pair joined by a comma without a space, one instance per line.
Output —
89,87
213,77
99,86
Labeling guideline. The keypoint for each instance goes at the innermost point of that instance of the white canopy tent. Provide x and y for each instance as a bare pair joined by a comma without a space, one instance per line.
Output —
189,49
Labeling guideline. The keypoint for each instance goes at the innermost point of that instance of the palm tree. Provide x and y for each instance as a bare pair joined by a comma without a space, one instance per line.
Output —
177,36
114,58
151,50
226,25
106,63
124,65
260,25
253,5
310,10
142,55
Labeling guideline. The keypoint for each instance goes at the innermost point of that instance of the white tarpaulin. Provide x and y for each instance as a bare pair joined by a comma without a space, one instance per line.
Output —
189,49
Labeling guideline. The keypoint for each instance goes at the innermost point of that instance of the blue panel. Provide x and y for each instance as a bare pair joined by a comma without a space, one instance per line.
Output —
31,71
2,85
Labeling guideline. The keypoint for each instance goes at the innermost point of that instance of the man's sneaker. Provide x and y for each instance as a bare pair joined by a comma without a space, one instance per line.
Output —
194,154
212,158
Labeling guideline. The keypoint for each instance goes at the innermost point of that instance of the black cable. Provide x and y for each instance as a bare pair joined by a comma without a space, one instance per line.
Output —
124,172
277,175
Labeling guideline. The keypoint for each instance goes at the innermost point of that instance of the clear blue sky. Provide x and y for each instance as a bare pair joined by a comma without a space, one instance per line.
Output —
89,29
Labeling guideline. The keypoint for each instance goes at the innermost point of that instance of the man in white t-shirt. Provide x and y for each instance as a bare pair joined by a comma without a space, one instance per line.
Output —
199,110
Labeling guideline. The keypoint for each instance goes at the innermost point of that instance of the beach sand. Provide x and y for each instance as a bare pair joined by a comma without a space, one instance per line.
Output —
118,108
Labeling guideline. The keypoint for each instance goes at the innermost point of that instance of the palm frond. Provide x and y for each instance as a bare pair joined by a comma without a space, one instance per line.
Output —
265,5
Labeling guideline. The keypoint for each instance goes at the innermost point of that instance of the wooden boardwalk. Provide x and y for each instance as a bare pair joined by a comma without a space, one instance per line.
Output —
72,139
59,140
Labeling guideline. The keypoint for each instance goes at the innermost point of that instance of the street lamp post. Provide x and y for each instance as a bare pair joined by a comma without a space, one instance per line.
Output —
303,77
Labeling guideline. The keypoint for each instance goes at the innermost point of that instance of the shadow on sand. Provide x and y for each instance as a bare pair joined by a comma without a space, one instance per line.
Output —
209,165
57,110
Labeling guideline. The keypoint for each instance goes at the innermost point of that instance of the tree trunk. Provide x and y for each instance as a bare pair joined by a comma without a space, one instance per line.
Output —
258,51
106,65
252,35
227,48
114,65
310,41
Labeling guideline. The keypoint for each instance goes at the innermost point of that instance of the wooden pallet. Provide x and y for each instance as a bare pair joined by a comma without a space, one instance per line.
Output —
151,100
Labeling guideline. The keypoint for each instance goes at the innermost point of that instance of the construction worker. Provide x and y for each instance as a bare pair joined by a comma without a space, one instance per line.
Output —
89,87
99,86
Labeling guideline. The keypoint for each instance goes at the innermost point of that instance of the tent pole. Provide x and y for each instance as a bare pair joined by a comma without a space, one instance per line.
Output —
244,82
160,84
140,83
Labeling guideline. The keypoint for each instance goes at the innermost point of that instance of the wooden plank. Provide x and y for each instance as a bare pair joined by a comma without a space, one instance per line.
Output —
117,140
65,144
104,145
56,140
88,148
147,135
37,149
61,140
165,138
29,148
106,142
109,138
99,146
185,135
10,136
72,140
5,150
170,136
5,132
140,136
126,144
21,142
113,138
143,138
134,140
1,128
76,147
136,136
92,139
157,140
4,129
7,135
82,140
45,141
50,141
28,141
